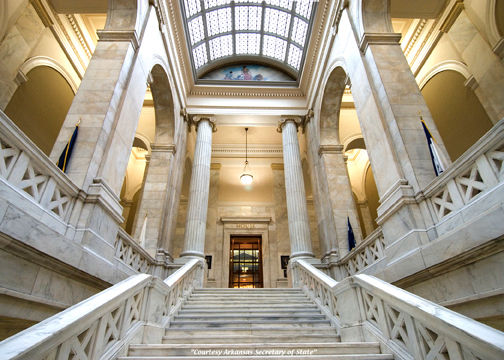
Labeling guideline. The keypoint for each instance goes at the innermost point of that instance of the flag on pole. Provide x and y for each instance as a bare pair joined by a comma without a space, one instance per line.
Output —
67,151
143,232
351,237
435,153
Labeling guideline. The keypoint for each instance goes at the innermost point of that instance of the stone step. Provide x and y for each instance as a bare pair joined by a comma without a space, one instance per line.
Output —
285,357
248,297
193,300
197,331
252,312
261,349
177,324
256,290
229,307
246,318
246,339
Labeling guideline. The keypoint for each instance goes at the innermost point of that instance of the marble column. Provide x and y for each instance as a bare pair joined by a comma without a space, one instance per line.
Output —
299,227
194,238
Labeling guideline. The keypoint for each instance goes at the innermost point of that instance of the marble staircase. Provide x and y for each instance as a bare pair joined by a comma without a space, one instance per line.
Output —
252,324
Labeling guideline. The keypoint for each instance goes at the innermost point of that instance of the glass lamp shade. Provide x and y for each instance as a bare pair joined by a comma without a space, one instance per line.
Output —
246,179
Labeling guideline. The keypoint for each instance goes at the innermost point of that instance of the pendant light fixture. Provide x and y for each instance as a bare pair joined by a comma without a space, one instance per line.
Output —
246,178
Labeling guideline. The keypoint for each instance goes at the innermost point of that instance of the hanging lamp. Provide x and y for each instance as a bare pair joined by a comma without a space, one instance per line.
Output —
246,178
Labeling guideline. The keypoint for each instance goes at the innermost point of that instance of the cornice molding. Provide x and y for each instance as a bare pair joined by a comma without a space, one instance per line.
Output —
120,35
378,39
330,149
254,151
200,90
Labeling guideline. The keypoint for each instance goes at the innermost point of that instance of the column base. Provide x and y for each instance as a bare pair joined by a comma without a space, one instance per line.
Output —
192,254
305,255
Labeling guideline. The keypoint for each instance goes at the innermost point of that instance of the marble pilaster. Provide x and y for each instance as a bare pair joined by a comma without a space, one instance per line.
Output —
194,238
153,194
299,227
367,219
486,67
340,194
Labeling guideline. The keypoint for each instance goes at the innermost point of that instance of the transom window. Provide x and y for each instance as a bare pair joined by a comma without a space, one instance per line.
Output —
275,29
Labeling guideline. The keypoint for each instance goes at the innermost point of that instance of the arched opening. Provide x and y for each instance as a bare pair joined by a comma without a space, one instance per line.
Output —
133,183
154,136
330,108
372,197
499,16
39,106
459,116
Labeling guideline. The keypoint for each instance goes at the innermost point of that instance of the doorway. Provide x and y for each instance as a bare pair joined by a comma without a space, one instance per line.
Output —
245,262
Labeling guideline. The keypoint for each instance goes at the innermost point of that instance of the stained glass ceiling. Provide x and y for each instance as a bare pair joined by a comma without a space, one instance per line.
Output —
272,30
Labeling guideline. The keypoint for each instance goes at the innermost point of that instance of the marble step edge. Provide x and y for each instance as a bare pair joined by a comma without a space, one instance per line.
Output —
255,311
346,344
253,331
248,339
253,357
272,316
239,321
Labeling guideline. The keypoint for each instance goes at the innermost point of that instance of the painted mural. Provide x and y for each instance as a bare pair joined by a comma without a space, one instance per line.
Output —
247,72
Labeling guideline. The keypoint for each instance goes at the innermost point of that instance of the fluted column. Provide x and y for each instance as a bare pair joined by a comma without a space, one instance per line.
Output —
299,227
194,238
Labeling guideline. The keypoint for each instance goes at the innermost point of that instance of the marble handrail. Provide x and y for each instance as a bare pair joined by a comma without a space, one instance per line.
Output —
405,324
27,169
476,172
102,326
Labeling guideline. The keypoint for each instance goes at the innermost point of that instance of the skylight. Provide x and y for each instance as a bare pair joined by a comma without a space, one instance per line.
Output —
274,29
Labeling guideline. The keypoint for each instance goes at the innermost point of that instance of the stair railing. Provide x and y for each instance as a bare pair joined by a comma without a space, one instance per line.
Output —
103,326
405,324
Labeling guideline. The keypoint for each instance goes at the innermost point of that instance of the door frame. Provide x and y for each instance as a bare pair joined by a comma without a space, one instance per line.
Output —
246,226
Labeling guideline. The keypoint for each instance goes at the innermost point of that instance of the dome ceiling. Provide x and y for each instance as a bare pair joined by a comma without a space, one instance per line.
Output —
271,32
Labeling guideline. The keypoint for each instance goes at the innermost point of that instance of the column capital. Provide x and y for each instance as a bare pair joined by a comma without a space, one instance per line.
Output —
196,119
297,120
330,149
163,148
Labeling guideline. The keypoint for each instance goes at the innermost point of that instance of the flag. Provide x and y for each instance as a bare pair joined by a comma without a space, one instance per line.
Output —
143,232
351,237
67,151
435,153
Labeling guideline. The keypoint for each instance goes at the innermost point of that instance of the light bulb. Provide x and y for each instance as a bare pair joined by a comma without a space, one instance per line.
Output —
246,179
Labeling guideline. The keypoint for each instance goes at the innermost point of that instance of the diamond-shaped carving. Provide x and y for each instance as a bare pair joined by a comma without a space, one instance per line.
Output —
8,156
496,159
397,325
443,203
59,203
470,184
33,182
433,345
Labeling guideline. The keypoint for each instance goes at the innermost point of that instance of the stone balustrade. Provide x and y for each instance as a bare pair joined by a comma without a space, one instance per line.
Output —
132,254
24,167
476,172
405,324
102,326
364,254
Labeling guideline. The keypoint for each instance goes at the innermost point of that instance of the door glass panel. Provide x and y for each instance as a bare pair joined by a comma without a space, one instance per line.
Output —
245,263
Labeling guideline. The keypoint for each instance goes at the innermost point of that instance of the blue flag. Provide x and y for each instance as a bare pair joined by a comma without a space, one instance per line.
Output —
67,151
351,237
434,152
